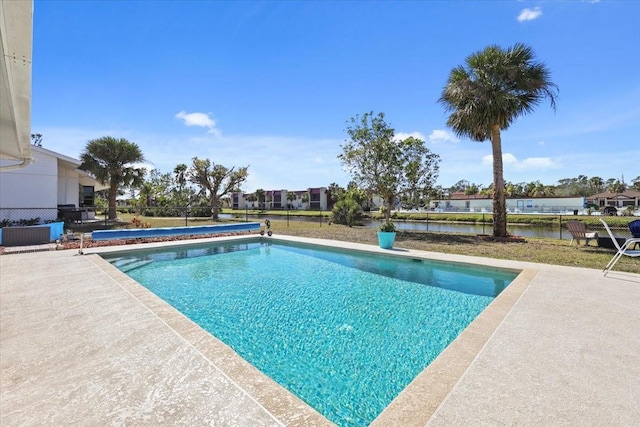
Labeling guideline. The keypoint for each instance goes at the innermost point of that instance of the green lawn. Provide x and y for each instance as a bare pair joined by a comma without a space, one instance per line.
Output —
548,251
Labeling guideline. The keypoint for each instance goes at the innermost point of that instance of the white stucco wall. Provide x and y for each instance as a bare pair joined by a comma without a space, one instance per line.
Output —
34,186
529,205
36,190
68,187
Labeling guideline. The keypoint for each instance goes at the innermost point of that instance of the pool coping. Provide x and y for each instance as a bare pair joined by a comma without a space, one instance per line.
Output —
412,407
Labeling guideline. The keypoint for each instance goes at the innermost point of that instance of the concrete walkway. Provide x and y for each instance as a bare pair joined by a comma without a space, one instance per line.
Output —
82,344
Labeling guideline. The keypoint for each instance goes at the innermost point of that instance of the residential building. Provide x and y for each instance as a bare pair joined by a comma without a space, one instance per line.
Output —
611,203
311,198
460,202
37,190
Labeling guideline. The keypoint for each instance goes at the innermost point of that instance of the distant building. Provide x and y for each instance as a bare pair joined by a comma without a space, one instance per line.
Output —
460,202
311,198
611,203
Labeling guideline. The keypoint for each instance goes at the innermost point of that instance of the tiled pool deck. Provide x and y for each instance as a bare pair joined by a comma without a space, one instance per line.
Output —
81,343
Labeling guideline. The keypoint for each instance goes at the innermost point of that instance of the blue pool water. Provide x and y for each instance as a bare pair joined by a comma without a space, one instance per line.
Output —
345,332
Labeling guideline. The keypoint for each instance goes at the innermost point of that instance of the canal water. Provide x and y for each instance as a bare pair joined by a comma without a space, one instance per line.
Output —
444,227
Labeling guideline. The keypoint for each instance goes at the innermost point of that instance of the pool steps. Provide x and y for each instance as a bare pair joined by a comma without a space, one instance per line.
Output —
132,265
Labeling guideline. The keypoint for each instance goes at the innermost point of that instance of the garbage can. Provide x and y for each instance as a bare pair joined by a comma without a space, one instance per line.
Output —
575,211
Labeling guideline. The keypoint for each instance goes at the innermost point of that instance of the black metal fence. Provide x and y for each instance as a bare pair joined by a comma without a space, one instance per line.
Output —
554,224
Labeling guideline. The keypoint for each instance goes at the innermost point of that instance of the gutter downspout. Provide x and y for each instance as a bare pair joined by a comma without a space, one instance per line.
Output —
24,163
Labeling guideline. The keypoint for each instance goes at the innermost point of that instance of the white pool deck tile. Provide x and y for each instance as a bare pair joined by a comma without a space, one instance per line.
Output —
82,344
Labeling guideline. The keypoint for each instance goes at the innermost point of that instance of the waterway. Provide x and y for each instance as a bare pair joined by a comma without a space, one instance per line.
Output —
443,227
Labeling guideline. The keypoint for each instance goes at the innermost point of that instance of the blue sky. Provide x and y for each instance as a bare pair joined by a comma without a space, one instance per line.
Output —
272,84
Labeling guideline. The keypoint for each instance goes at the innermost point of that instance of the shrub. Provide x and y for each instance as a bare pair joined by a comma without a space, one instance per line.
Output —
136,223
388,227
347,212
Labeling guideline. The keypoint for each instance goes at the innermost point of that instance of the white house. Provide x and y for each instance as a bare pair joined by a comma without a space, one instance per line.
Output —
459,202
610,203
37,190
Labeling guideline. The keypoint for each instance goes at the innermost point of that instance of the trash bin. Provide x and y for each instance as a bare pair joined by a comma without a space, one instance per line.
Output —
575,211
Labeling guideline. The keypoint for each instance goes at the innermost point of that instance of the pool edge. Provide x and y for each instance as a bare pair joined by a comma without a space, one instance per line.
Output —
283,405
413,406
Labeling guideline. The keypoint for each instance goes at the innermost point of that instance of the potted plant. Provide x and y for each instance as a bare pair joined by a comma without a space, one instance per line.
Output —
387,235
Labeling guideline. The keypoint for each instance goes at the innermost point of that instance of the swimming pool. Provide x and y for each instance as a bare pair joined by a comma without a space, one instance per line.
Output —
340,330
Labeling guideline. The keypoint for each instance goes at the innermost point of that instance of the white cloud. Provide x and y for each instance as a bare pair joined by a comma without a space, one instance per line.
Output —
198,119
530,163
529,14
539,163
403,135
438,136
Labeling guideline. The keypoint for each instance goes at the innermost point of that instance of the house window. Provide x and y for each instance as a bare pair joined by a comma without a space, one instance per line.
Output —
87,196
315,201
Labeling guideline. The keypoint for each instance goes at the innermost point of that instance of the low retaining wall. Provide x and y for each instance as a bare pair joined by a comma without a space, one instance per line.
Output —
138,233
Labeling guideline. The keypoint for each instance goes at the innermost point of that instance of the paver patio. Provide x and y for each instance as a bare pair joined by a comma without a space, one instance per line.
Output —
82,344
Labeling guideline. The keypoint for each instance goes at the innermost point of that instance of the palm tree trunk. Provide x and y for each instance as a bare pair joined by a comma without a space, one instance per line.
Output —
499,202
113,191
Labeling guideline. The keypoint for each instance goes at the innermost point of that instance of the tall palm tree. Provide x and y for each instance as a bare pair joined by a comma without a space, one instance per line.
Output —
486,96
113,161
180,171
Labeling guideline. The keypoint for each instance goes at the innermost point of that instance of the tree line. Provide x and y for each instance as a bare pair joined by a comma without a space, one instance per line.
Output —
581,186
483,97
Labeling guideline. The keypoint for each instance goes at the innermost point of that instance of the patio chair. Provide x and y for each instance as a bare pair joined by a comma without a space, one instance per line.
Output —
624,250
579,232
634,228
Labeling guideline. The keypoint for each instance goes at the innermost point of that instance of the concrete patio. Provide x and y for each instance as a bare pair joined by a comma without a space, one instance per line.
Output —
81,343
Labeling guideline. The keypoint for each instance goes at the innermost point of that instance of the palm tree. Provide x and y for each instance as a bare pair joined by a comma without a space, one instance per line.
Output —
260,194
618,187
595,185
291,197
496,87
146,193
180,171
112,161
252,198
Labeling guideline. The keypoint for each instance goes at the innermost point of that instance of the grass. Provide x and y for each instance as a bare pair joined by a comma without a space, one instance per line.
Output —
541,250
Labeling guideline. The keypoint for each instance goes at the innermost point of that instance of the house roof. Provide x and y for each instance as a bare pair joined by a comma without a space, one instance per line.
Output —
67,162
627,194
16,24
461,196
